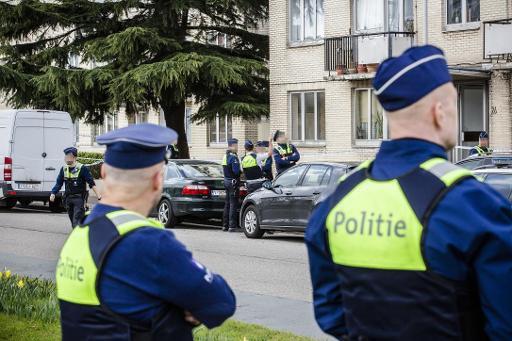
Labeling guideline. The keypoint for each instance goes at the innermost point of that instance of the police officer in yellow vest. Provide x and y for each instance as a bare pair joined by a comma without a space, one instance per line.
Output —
483,145
410,246
252,171
285,154
75,177
120,275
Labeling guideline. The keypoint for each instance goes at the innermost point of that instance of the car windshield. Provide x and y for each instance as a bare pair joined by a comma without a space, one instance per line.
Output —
199,170
501,182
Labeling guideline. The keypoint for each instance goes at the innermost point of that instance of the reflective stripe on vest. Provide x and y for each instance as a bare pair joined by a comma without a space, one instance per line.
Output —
77,271
481,151
374,225
284,152
225,160
68,174
249,161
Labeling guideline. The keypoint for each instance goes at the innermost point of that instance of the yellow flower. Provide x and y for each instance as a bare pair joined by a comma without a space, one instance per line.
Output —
7,273
20,284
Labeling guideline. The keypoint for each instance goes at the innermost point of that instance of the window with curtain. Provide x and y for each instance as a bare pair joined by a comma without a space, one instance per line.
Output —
369,120
370,15
308,115
306,20
219,129
462,11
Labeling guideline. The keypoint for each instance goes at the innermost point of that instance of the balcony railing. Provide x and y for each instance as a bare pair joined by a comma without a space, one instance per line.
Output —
347,52
497,42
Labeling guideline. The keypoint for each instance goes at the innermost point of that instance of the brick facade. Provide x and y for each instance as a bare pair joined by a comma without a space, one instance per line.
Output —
298,67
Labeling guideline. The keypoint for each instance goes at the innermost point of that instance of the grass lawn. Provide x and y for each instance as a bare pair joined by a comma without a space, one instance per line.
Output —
15,328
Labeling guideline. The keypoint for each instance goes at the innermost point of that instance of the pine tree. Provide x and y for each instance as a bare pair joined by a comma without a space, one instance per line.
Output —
139,54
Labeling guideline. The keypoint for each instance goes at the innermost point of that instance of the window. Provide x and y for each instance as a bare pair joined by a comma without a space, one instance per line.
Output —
289,178
314,176
501,182
137,118
220,129
308,115
384,15
462,11
202,170
369,119
219,39
306,20
472,110
109,124
172,172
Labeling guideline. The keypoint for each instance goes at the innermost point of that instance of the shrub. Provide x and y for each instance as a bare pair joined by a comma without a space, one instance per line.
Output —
93,161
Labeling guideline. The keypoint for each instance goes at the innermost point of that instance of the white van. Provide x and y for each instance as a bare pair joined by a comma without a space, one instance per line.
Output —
31,154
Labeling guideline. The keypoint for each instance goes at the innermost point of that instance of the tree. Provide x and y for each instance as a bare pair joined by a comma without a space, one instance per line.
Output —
139,54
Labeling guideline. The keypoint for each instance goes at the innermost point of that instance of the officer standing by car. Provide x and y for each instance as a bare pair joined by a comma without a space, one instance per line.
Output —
285,154
483,145
75,177
231,167
120,275
252,171
410,246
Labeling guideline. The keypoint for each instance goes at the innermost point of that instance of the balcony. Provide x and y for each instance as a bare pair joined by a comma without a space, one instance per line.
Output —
343,55
497,42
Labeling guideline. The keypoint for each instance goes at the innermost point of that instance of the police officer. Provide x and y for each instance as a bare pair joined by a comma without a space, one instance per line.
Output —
174,151
74,176
483,145
285,154
264,158
252,171
120,275
231,166
410,246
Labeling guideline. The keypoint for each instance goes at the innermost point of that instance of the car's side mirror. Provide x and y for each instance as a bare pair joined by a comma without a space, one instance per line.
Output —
267,185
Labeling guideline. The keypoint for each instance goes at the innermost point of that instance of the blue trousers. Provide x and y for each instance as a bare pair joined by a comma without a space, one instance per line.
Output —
231,203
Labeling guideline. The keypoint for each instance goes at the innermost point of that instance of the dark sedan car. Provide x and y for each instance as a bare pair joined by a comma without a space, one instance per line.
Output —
474,162
286,203
193,190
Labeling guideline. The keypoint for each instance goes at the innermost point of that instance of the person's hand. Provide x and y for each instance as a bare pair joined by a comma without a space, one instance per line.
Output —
52,197
191,319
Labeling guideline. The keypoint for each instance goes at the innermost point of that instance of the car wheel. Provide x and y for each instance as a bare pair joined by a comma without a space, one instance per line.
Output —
8,204
251,223
165,214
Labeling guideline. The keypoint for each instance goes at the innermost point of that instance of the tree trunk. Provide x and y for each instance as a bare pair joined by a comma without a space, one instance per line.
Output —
174,114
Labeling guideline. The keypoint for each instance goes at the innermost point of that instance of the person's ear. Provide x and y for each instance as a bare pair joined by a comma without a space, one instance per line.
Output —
438,114
102,171
158,181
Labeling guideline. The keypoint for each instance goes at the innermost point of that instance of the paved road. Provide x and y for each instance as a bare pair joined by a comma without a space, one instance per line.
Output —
270,276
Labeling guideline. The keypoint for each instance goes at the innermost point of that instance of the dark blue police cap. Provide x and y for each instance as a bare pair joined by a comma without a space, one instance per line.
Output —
262,144
402,81
71,150
248,144
137,146
484,135
232,141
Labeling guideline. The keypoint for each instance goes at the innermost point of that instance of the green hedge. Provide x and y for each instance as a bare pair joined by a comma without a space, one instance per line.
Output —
93,161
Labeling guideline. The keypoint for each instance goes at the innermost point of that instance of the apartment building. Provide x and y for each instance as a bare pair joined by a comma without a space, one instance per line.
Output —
323,56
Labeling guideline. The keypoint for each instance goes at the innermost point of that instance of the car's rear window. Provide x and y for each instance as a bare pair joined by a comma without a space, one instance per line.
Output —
501,182
201,170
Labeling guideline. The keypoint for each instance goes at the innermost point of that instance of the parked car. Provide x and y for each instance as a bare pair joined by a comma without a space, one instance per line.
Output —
495,159
31,145
286,203
193,189
499,178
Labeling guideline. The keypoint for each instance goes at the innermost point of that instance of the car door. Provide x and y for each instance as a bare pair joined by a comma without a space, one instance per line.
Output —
58,135
27,151
275,207
313,183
